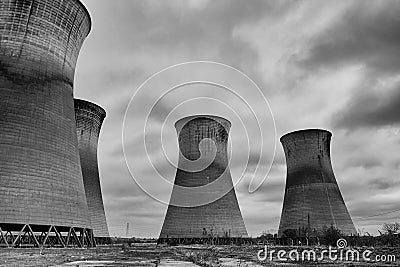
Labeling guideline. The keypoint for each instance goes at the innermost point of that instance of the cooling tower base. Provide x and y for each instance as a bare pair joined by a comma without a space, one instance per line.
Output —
30,235
206,240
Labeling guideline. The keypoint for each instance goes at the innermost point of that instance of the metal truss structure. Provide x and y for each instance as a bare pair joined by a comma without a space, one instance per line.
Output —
40,236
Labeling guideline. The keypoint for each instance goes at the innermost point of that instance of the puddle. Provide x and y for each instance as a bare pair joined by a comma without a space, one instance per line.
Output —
230,262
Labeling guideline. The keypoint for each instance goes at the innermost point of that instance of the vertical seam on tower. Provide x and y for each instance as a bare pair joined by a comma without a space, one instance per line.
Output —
69,37
326,188
330,206
26,28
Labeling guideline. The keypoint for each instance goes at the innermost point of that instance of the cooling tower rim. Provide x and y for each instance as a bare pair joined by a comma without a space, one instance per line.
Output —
92,106
87,13
283,137
179,123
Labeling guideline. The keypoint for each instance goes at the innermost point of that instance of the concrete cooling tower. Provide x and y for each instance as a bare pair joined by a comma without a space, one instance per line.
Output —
89,118
42,197
312,199
203,203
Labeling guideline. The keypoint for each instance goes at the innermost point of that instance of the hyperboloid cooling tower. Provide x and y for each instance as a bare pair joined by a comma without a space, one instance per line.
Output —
203,203
41,185
312,197
89,118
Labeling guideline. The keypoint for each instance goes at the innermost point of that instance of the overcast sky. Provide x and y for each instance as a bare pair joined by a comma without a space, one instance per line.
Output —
320,64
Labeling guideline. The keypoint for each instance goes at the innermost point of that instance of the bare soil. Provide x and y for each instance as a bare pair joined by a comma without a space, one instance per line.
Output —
161,256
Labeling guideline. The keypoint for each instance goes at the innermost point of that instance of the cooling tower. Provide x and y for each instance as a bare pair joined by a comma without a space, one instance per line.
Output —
203,203
89,118
41,186
312,199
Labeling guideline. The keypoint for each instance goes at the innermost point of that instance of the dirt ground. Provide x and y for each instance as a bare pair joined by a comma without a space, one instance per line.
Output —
161,256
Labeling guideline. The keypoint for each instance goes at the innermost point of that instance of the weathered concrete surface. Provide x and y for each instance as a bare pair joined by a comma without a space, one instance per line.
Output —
89,118
312,196
40,173
220,216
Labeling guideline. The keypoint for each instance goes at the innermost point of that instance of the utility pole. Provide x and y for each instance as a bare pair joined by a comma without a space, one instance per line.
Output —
127,229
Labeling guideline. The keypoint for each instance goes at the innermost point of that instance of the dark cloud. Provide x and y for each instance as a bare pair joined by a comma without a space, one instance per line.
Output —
381,184
366,35
370,109
171,30
365,161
